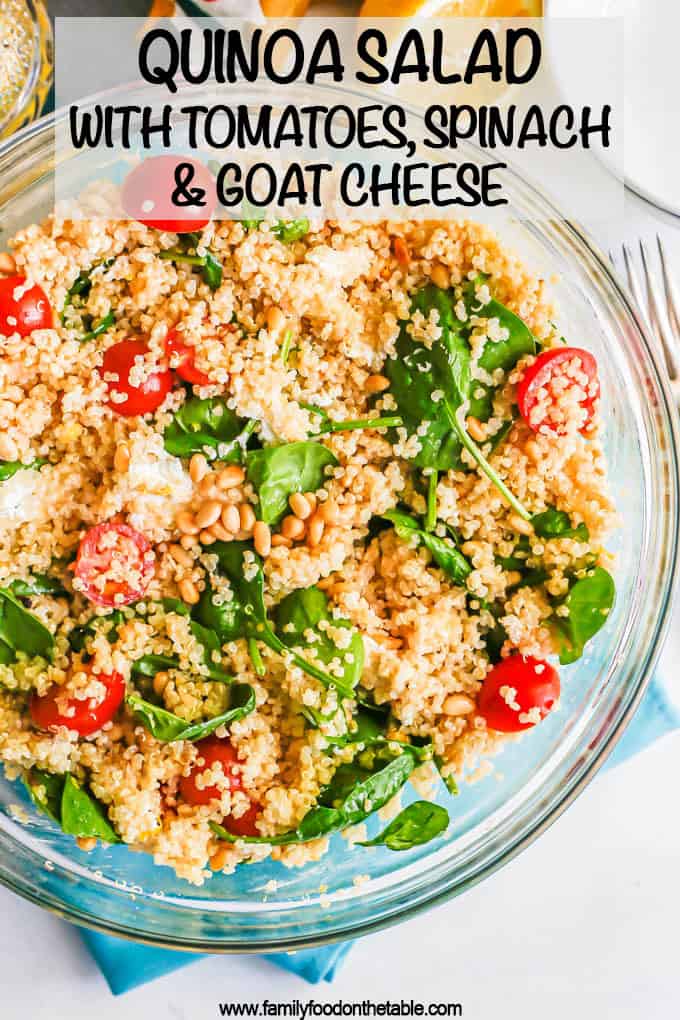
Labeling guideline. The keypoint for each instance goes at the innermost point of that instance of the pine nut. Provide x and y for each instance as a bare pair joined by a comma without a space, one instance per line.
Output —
401,252
188,541
86,843
230,476
262,538
440,276
180,555
207,538
311,499
188,591
186,523
206,487
533,450
220,532
246,517
7,264
198,468
476,429
8,448
281,540
208,513
315,530
329,512
121,458
300,506
160,682
231,518
218,860
376,384
292,527
276,320
512,578
519,525
458,704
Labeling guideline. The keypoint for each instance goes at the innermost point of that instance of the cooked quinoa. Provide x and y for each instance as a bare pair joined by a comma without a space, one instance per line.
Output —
296,335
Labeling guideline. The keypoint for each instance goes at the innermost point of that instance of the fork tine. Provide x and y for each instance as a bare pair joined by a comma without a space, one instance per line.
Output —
634,283
657,316
672,300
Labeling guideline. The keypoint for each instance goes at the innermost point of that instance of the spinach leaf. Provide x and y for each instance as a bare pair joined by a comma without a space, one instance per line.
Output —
245,615
300,620
444,553
108,624
211,269
431,386
21,631
37,584
288,231
210,425
45,790
8,468
417,824
149,665
82,815
503,354
354,793
276,472
588,604
73,314
448,781
167,727
557,524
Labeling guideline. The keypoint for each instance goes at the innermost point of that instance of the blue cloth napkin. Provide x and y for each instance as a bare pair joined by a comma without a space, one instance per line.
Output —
126,965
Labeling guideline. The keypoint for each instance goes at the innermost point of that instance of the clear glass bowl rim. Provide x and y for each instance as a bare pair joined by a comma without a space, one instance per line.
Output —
31,149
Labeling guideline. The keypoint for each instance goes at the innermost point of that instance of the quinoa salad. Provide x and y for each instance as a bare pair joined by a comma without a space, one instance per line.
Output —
291,514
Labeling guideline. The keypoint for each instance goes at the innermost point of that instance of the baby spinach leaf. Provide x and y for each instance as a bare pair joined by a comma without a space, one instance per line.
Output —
211,269
210,425
166,726
45,790
8,468
82,815
444,553
299,618
37,584
503,354
354,793
288,231
448,780
276,472
417,824
588,604
21,631
557,524
108,625
73,314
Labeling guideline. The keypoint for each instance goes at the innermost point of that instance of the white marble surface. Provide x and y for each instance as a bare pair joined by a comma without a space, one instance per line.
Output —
583,923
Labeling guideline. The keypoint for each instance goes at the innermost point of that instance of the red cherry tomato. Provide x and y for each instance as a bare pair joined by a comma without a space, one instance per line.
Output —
86,715
147,192
212,750
181,358
23,315
114,564
244,825
543,391
514,689
133,387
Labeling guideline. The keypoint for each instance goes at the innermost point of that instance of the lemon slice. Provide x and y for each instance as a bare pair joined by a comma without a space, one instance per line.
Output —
451,8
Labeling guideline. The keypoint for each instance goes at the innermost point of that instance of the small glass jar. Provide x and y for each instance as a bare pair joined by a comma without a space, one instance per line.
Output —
26,62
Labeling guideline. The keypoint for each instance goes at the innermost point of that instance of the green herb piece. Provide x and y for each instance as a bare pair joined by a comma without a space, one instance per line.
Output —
37,584
419,823
448,781
211,269
385,422
82,815
431,386
285,347
557,524
21,631
431,514
443,551
212,272
210,425
74,303
302,619
45,789
245,615
355,792
588,604
276,472
256,657
166,726
8,468
288,231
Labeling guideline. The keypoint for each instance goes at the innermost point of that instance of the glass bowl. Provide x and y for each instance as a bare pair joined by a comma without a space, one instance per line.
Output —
267,907
28,51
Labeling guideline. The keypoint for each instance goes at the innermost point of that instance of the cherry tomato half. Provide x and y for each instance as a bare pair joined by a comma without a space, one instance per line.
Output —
147,192
23,315
86,715
133,387
513,689
543,387
244,825
114,564
181,357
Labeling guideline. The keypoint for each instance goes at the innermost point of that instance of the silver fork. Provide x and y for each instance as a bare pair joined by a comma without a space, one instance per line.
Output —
658,302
